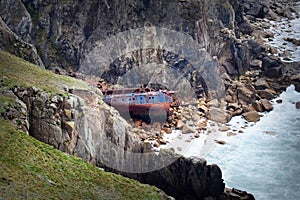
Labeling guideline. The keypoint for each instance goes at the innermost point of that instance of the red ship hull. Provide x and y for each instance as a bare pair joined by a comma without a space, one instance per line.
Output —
149,104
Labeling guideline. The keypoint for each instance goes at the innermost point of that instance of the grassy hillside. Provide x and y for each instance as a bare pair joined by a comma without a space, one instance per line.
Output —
30,169
33,170
18,72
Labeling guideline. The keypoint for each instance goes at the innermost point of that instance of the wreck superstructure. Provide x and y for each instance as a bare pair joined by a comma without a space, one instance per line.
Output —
141,101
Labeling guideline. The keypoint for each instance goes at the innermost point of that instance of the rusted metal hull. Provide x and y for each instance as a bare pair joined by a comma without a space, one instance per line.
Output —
150,104
144,109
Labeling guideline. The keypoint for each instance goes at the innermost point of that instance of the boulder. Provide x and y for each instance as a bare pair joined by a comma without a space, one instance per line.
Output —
261,84
237,112
235,194
224,128
273,50
179,124
147,147
246,94
275,72
266,104
202,108
279,101
143,136
234,106
256,48
162,141
187,129
231,134
257,10
246,28
219,115
298,105
156,126
229,98
214,103
222,142
167,130
269,62
293,40
185,178
257,106
251,116
196,118
156,144
255,64
202,124
266,94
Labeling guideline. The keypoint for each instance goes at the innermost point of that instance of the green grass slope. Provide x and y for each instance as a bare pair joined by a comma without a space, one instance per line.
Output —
15,71
33,170
30,169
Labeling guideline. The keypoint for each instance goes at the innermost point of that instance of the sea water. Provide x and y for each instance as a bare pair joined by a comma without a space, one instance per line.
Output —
265,159
286,29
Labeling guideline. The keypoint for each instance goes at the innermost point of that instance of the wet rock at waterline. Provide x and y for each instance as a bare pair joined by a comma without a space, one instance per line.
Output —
298,105
266,104
187,129
251,116
222,142
219,115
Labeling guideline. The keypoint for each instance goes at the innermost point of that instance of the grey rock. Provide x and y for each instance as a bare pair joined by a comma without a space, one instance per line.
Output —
199,179
19,20
257,10
251,116
261,84
266,94
12,43
266,104
187,129
246,94
219,115
274,72
269,62
258,106
297,105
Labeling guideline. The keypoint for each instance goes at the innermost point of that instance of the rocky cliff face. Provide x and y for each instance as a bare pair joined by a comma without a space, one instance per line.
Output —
65,32
81,124
77,124
12,43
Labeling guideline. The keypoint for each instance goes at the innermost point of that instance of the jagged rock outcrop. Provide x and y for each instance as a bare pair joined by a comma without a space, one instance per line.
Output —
186,178
81,124
12,43
77,124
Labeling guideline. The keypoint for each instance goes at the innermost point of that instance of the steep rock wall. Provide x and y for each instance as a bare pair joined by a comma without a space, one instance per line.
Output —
80,124
64,32
12,43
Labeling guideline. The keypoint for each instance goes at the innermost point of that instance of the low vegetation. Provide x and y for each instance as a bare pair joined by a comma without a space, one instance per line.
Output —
33,170
18,72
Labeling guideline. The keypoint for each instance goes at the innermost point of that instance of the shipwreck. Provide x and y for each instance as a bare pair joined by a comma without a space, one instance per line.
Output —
141,102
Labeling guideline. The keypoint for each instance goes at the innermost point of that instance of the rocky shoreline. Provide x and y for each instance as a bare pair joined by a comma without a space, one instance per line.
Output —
253,72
